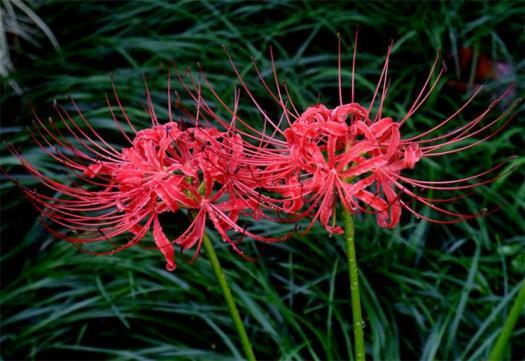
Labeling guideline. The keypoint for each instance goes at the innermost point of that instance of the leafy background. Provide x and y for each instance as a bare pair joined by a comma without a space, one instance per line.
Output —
429,291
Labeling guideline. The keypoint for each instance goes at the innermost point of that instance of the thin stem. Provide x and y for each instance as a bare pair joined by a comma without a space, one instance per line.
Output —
219,273
359,340
508,326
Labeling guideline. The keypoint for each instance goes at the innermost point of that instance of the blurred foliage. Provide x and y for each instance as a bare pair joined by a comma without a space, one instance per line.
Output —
429,291
19,23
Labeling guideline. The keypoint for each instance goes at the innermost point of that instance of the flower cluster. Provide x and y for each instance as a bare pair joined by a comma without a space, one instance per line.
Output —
342,153
340,156
302,164
165,169
320,158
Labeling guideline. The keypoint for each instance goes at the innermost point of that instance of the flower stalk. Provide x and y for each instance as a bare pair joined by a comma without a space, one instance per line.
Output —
219,273
359,340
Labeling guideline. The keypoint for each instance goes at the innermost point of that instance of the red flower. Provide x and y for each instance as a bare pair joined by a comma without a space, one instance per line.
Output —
348,156
323,157
165,169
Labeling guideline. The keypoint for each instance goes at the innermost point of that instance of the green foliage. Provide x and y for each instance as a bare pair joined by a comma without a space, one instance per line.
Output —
429,291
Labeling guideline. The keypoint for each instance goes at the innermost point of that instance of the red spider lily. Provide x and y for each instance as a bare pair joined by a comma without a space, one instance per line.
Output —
118,191
348,156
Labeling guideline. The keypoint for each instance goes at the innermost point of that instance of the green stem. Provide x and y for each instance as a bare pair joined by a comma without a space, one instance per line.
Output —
219,273
359,339
508,326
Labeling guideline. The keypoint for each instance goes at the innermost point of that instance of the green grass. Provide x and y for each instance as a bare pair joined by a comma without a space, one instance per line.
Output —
428,291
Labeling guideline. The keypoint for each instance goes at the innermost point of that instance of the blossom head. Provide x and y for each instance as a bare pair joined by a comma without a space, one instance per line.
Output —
342,150
354,156
118,191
